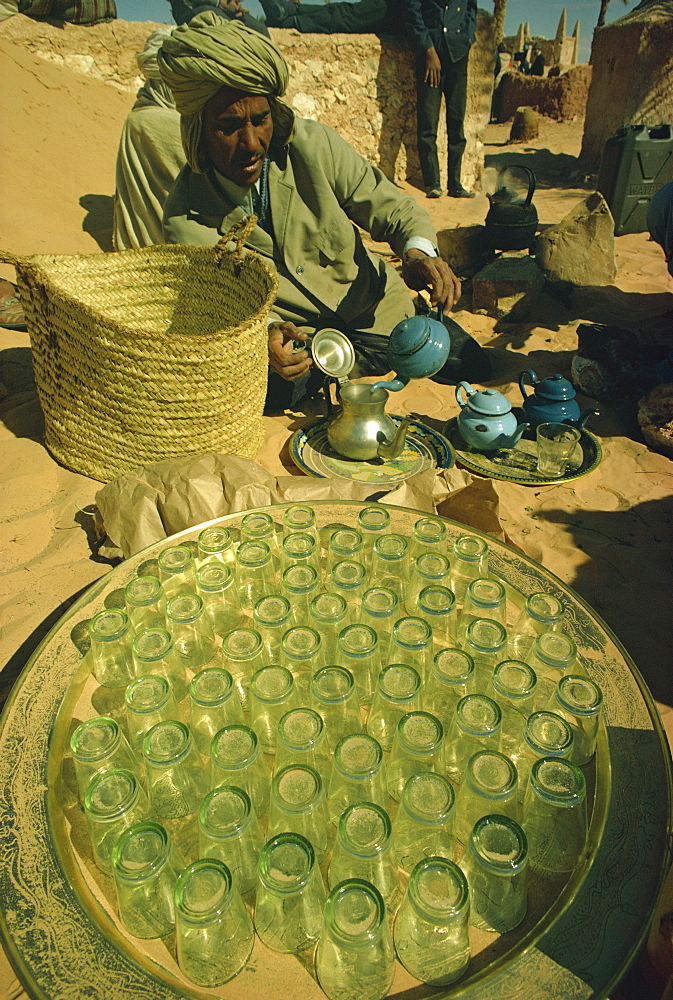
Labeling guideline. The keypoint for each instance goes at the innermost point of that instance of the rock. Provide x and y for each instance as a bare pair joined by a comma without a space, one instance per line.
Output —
525,126
581,247
612,364
500,285
655,416
464,249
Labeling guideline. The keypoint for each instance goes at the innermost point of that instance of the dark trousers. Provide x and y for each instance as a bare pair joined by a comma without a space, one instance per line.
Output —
327,19
428,101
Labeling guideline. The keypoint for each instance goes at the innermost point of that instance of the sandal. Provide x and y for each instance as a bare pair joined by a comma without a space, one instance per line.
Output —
12,316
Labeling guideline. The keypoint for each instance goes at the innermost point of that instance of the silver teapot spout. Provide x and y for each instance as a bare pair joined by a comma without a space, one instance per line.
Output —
391,449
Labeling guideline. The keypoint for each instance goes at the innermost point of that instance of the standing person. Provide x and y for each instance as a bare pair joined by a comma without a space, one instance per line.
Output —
538,63
443,32
185,10
311,192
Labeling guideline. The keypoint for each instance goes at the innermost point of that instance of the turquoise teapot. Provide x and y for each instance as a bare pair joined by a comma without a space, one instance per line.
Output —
417,347
553,401
486,421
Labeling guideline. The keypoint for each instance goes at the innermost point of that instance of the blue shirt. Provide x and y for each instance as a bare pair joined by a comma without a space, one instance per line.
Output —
445,24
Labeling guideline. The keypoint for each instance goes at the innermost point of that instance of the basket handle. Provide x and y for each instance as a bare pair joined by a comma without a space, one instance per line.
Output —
239,232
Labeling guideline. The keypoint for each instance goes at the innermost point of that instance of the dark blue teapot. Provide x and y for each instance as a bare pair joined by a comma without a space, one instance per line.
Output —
553,401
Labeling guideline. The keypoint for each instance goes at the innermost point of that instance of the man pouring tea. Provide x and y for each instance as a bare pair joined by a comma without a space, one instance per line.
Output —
311,192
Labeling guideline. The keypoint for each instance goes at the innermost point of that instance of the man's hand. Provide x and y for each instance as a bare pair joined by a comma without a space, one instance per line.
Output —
281,359
433,274
433,67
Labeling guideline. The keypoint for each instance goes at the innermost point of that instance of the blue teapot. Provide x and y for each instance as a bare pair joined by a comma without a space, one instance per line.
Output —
552,401
417,347
486,422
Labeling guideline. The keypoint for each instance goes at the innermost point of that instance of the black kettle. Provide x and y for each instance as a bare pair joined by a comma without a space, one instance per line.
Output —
512,220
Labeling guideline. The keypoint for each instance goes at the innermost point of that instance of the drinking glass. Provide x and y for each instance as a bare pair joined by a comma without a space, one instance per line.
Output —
417,746
301,740
545,734
214,934
390,561
176,570
235,760
428,535
358,651
99,745
541,613
552,655
495,864
379,609
372,523
272,694
484,598
411,643
490,786
348,578
191,632
334,697
423,826
301,549
290,894
153,653
328,614
398,689
230,832
344,544
436,606
432,924
476,725
176,779
145,869
358,774
214,703
429,568
215,544
113,801
259,526
555,446
110,635
149,700
272,617
555,815
145,603
579,701
243,653
299,517
355,956
255,572
301,653
486,642
470,562
298,805
513,687
216,586
451,678
363,849
299,585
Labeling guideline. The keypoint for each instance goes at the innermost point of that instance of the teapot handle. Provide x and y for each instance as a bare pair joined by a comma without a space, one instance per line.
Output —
469,391
522,381
531,183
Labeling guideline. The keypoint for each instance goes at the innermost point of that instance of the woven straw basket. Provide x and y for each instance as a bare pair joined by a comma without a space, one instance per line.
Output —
149,354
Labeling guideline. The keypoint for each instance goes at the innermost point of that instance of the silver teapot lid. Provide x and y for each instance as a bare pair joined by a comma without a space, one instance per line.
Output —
333,353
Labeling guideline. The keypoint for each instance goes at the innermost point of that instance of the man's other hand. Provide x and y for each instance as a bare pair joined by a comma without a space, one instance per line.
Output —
289,365
432,274
433,67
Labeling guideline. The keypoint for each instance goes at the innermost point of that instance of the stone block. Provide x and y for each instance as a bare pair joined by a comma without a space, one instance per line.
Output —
500,285
580,248
463,248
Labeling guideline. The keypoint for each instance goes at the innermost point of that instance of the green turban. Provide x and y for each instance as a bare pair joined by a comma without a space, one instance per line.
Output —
208,53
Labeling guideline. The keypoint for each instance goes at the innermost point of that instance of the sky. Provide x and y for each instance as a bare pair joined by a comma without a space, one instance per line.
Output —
543,15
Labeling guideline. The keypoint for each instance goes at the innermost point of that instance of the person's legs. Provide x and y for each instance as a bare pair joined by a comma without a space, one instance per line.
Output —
428,101
326,19
454,84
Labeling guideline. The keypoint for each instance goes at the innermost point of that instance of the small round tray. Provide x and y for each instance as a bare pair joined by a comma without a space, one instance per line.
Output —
519,464
424,449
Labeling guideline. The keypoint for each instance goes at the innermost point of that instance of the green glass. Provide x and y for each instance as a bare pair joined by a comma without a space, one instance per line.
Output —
154,653
470,562
496,867
110,635
490,786
214,703
191,632
484,598
301,549
272,694
380,609
216,586
451,678
255,572
113,801
437,607
579,701
229,831
328,614
300,584
363,849
476,725
398,691
417,746
243,654
555,815
372,523
176,779
176,570
358,774
390,563
215,543
552,655
486,642
358,651
301,740
298,805
213,930
545,734
299,517
541,613
290,894
145,603
334,697
355,956
145,869
432,925
235,760
348,578
411,643
99,745
428,535
259,526
428,569
301,653
423,826
149,700
272,616
344,544
513,687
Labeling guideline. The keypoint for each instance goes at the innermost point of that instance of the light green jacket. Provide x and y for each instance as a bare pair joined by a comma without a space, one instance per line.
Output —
320,191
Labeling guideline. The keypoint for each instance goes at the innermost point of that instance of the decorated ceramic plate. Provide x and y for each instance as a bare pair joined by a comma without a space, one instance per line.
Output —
519,464
425,449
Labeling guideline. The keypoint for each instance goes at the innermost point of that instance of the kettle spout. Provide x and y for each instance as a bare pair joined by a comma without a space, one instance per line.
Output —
397,383
517,435
391,449
581,420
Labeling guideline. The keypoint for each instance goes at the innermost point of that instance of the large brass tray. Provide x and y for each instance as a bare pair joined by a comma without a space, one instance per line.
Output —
59,926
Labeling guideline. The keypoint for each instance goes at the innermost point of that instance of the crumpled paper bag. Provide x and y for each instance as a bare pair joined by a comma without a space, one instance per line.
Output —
150,503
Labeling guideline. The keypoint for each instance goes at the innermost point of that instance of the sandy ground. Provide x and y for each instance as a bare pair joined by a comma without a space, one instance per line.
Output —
606,535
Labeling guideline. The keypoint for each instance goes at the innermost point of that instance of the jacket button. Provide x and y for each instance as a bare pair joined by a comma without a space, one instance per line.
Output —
446,29
300,269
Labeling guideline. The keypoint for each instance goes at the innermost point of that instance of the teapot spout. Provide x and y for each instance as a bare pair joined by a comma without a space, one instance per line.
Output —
394,386
391,449
581,420
517,434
